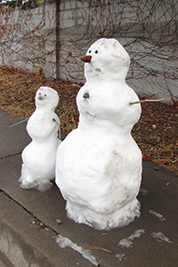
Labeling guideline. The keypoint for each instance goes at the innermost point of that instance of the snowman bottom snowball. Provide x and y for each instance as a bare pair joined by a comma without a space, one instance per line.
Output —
104,221
99,178
37,171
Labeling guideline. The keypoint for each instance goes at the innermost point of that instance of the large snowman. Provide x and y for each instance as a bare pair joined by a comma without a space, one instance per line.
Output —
39,157
99,165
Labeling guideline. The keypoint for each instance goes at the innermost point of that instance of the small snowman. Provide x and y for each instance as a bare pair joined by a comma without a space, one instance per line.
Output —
39,157
99,165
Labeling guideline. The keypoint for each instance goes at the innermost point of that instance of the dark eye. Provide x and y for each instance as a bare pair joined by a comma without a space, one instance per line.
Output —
89,51
96,52
45,95
39,93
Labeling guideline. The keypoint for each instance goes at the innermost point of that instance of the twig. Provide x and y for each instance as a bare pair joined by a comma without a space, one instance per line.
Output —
5,213
13,186
56,122
147,100
95,247
76,85
17,123
172,181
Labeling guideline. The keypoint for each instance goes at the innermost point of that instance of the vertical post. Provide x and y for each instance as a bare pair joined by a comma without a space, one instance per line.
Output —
57,39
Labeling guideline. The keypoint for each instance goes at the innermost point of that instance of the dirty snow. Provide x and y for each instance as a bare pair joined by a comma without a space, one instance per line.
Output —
64,242
143,191
127,242
120,257
161,237
158,215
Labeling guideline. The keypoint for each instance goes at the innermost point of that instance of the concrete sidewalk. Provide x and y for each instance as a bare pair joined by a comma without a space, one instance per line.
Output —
29,219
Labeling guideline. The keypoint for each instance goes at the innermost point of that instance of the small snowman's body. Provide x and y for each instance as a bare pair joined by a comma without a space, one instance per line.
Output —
39,157
99,165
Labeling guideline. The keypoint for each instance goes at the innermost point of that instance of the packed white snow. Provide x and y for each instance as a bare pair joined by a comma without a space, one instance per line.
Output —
127,242
158,215
39,157
99,165
161,237
64,242
120,257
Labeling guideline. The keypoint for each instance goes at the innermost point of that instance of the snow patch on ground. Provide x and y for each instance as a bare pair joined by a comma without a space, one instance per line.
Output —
158,215
64,242
161,237
143,191
120,257
127,242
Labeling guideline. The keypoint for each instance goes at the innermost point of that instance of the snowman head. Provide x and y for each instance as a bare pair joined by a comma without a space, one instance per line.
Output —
46,98
106,59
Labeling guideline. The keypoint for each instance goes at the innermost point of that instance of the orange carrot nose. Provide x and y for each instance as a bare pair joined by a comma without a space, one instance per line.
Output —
86,58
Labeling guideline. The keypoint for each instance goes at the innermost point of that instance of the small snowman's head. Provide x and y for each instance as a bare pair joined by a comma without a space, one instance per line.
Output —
106,59
46,98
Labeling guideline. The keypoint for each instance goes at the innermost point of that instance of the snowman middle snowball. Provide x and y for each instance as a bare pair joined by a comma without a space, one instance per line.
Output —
99,165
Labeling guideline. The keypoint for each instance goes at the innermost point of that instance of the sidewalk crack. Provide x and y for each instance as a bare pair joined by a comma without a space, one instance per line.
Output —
30,213
12,155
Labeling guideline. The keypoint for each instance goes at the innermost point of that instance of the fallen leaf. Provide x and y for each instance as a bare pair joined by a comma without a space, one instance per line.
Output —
148,158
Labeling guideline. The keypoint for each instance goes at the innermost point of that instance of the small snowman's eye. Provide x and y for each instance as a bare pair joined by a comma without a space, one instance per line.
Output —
89,51
45,95
96,52
39,93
